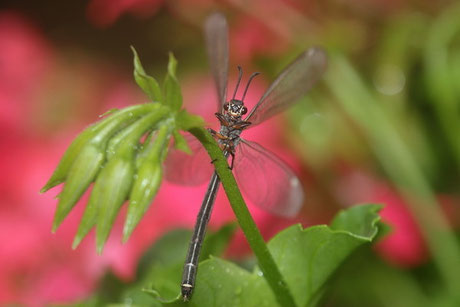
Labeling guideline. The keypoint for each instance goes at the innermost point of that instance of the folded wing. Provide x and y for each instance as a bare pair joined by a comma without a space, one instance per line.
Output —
216,35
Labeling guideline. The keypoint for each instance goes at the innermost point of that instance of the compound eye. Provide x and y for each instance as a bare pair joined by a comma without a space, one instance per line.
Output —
226,106
244,110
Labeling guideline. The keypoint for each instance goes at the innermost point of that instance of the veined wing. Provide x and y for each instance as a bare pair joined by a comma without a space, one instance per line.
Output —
266,180
216,34
185,169
290,85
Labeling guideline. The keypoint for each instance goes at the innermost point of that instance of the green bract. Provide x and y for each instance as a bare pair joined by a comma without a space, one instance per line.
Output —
147,181
123,155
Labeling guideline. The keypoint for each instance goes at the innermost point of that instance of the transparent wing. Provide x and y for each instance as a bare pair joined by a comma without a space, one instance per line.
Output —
185,169
266,180
216,34
291,84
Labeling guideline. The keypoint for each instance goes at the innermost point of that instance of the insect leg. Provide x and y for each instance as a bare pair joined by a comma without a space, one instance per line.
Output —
230,148
222,119
212,131
241,125
233,159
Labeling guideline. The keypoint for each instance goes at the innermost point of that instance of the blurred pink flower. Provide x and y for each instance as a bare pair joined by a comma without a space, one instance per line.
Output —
250,37
34,260
24,59
103,13
32,254
404,245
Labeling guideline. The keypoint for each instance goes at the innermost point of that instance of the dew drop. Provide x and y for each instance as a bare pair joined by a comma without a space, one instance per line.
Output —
128,302
389,80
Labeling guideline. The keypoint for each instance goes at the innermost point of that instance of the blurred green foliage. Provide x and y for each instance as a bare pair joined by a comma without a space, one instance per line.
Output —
404,106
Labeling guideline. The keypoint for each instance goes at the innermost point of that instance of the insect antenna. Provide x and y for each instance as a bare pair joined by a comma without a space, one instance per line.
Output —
240,75
249,82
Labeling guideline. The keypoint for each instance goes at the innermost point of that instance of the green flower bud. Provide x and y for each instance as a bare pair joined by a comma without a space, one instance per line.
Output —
134,132
90,159
89,216
81,174
111,190
102,129
144,189
147,181
114,183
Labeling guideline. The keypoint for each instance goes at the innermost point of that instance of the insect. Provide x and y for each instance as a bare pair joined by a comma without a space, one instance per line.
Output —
263,178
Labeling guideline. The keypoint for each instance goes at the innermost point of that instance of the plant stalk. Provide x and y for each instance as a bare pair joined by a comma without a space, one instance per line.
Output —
265,260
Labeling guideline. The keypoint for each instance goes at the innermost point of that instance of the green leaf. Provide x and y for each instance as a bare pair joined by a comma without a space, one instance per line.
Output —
135,296
305,257
172,91
216,243
108,290
160,268
308,257
357,221
167,250
186,121
147,83
222,283
180,143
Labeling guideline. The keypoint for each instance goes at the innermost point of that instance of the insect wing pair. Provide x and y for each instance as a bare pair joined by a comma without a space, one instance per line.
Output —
263,178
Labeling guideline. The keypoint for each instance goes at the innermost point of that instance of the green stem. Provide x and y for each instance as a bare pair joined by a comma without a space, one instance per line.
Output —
247,224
